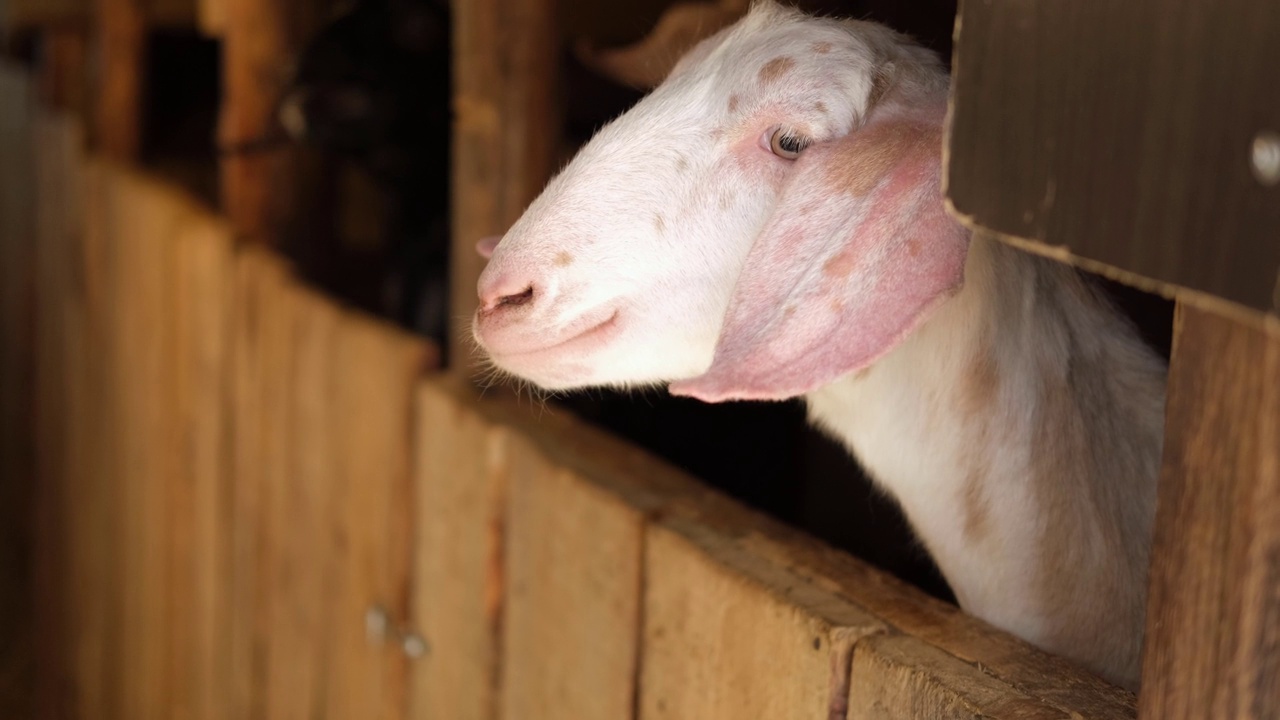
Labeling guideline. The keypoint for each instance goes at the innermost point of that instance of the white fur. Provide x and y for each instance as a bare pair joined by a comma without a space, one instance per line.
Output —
632,254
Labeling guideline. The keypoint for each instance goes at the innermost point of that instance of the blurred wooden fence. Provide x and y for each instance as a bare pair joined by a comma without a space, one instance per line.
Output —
233,471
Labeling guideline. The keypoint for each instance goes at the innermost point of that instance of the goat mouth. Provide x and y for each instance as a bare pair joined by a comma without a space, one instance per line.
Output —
595,335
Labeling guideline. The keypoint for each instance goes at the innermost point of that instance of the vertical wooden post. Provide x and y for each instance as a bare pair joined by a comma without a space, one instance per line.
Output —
63,68
1213,619
260,40
505,132
121,28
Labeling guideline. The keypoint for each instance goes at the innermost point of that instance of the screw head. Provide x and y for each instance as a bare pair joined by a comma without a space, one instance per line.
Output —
1266,158
414,645
377,623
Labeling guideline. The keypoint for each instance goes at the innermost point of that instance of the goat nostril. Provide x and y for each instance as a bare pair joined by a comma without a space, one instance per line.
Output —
517,299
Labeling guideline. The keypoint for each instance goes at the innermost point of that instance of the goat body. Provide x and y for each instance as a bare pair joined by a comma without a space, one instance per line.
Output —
768,224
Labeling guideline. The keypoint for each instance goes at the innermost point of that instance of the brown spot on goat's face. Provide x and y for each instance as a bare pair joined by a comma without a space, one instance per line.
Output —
733,102
820,107
839,266
771,71
726,199
682,163
659,223
822,48
564,259
866,159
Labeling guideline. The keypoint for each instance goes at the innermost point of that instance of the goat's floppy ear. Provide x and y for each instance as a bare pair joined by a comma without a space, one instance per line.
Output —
857,254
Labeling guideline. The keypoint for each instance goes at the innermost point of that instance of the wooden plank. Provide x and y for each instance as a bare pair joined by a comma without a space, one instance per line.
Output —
898,676
121,27
261,405
506,130
718,624
74,453
140,218
261,40
1213,625
571,617
376,368
1118,134
460,486
198,502
211,17
303,511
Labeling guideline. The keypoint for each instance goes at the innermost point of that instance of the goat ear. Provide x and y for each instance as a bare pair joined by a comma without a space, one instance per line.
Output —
857,254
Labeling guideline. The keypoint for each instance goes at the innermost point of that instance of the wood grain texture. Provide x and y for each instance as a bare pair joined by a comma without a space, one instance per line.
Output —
261,394
73,548
658,490
376,368
305,576
571,618
120,28
260,42
1119,134
898,676
720,623
460,484
197,503
1213,625
505,133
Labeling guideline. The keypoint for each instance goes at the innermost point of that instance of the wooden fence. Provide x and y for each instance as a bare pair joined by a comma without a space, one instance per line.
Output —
233,471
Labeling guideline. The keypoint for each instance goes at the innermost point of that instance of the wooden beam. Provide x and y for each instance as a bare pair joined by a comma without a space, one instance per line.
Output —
260,41
1213,619
63,68
505,133
120,27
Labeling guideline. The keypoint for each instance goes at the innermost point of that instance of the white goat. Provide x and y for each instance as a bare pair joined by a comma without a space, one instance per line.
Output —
768,223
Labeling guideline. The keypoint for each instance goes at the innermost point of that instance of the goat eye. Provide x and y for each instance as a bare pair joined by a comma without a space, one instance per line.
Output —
787,145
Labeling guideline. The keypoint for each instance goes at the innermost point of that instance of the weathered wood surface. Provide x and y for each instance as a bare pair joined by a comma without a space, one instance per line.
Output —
704,554
729,634
261,41
197,501
506,132
225,463
321,484
120,32
460,484
573,594
70,543
1119,134
1213,626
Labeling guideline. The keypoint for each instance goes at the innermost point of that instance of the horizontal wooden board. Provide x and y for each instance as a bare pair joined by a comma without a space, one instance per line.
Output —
1119,134
729,635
